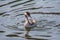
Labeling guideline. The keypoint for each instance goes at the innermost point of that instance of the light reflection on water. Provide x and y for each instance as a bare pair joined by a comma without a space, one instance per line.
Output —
11,19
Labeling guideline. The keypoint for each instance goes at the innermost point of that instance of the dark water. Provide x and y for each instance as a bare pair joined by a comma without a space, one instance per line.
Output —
11,19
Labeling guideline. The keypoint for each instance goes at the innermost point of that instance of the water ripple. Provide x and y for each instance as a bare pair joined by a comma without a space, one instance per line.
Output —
21,3
9,3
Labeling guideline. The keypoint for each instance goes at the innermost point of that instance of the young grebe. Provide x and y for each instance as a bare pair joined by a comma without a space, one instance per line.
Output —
29,22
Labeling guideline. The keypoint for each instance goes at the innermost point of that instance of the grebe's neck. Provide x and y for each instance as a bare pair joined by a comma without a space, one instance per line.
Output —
28,18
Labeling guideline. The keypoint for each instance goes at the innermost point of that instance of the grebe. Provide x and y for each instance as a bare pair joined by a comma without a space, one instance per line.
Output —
29,22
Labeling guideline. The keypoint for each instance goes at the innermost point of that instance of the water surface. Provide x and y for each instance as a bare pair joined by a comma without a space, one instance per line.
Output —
12,19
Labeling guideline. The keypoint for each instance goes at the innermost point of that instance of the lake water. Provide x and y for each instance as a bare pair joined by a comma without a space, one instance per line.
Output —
11,19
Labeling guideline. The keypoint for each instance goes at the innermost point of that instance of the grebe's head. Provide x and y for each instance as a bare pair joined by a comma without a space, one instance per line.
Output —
27,14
